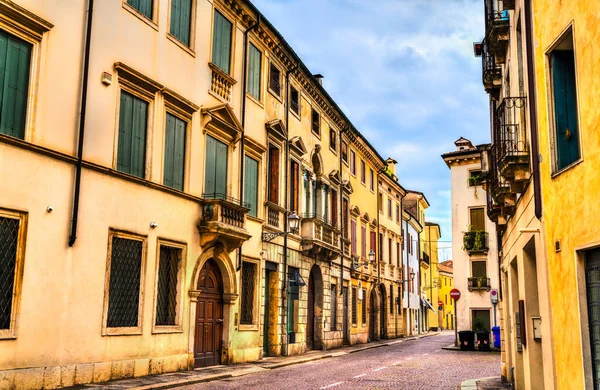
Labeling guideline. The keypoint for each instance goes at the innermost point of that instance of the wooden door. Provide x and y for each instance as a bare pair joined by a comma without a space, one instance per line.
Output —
592,284
310,321
372,316
345,311
209,317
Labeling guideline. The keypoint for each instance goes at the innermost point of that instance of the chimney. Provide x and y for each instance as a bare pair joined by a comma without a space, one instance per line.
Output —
319,78
391,165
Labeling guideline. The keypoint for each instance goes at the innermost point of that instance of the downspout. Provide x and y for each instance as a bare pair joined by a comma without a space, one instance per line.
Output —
419,284
535,153
83,107
378,240
342,211
242,139
287,201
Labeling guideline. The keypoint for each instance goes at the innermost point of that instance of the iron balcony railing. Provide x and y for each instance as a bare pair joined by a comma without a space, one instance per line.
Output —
495,15
512,128
496,185
478,283
491,72
475,241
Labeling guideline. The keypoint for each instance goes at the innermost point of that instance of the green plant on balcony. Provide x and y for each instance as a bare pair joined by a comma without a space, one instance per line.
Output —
474,241
475,180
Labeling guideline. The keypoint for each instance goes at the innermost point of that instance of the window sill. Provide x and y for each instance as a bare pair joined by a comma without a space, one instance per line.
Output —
333,150
122,331
255,100
141,17
167,329
8,334
248,328
279,98
181,45
255,219
565,169
296,114
315,134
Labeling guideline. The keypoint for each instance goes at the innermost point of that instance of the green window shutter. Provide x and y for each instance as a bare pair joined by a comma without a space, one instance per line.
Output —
210,170
143,6
222,41
565,107
131,153
215,179
251,185
254,62
15,57
174,152
221,171
181,15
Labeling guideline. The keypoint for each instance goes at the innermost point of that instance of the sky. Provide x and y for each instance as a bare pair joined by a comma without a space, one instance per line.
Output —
404,73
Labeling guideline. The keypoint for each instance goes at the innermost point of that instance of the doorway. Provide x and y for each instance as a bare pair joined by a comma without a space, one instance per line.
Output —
315,309
209,316
346,314
374,308
382,313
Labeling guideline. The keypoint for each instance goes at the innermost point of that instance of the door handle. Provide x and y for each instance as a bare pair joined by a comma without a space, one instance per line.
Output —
220,320
568,134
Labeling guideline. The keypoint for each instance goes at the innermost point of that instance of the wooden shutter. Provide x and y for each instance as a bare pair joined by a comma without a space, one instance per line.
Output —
15,57
251,185
565,107
131,152
523,323
477,220
210,169
254,65
174,152
295,186
363,238
353,228
274,175
221,170
345,216
143,6
306,194
222,42
181,15
334,207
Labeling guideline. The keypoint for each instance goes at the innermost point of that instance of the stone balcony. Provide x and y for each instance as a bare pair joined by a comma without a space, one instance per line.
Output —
477,283
223,221
319,238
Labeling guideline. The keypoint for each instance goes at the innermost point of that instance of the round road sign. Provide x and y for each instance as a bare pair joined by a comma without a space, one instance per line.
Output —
455,294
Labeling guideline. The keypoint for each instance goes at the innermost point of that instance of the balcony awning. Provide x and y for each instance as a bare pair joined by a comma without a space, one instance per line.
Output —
426,303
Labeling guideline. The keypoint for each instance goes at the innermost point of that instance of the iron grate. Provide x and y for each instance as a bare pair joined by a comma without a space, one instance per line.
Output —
124,286
364,307
166,295
354,303
248,283
9,234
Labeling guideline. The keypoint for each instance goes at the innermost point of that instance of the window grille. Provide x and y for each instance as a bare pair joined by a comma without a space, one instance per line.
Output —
166,296
248,283
333,307
364,307
354,303
124,285
399,297
9,234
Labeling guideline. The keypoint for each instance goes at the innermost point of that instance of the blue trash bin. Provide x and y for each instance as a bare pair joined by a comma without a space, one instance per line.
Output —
496,331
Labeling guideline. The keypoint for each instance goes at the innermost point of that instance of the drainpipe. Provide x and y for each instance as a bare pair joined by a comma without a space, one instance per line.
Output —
378,240
242,139
342,132
86,69
287,200
535,153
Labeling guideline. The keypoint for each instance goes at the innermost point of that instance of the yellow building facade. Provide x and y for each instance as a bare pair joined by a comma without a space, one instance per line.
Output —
430,275
445,286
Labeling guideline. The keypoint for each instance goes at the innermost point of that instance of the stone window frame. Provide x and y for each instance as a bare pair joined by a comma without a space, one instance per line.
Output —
23,217
263,61
255,326
25,25
178,327
152,22
124,331
256,151
191,49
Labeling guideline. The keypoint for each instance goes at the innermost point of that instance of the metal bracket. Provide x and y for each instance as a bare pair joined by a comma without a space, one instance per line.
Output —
268,237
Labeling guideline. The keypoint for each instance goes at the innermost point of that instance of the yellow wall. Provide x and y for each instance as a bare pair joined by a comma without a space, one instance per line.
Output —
431,274
446,285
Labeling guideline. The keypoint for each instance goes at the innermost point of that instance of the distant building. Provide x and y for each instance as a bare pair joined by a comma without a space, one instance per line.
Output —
430,276
444,287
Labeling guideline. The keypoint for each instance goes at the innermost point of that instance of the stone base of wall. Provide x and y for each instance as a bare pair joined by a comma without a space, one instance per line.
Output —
79,374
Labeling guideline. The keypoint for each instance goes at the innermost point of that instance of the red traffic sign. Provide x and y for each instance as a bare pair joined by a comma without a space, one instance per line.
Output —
440,303
455,294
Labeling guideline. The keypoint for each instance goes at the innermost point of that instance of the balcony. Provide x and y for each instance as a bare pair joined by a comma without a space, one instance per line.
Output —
319,238
508,4
501,200
221,83
513,147
478,283
491,73
275,214
223,221
497,26
476,242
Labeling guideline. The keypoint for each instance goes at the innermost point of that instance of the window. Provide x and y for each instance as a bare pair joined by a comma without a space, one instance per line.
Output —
15,55
316,122
475,178
478,269
391,301
398,213
169,277
389,208
294,100
221,53
181,20
372,242
564,89
251,185
380,246
363,237
144,7
411,284
12,250
215,176
248,283
125,270
390,251
380,202
133,118
354,304
275,80
363,172
352,162
398,255
345,151
174,152
481,319
273,174
353,239
446,299
332,139
334,208
400,292
364,307
477,220
254,67
292,306
333,307
371,180
345,212
295,183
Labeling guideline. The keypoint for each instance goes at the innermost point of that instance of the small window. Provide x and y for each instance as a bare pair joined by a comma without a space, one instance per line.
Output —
352,162
475,178
169,279
174,160
345,151
251,185
332,139
333,308
275,80
364,307
477,219
295,184
254,70
380,202
181,20
397,213
363,238
144,7
249,282
478,269
316,122
353,236
294,100
371,180
273,174
354,304
391,301
222,31
363,172
133,119
389,208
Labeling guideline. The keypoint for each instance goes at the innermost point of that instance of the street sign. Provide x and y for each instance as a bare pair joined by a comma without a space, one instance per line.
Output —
440,307
494,296
455,294
440,303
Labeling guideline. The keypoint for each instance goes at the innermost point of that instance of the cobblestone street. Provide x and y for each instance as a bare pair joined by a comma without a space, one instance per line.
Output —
414,364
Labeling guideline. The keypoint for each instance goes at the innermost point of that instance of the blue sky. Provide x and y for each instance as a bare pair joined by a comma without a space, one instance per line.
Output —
404,72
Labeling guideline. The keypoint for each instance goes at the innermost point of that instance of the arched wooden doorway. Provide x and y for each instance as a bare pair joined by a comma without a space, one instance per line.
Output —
314,328
209,316
382,313
373,310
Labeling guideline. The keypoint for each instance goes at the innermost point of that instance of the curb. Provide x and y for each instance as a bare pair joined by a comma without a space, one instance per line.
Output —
182,382
471,384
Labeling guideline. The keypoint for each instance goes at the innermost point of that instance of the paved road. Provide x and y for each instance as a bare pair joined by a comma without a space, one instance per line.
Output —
413,365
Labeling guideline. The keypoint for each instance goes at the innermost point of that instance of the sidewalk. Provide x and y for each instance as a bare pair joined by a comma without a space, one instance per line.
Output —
492,383
174,379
